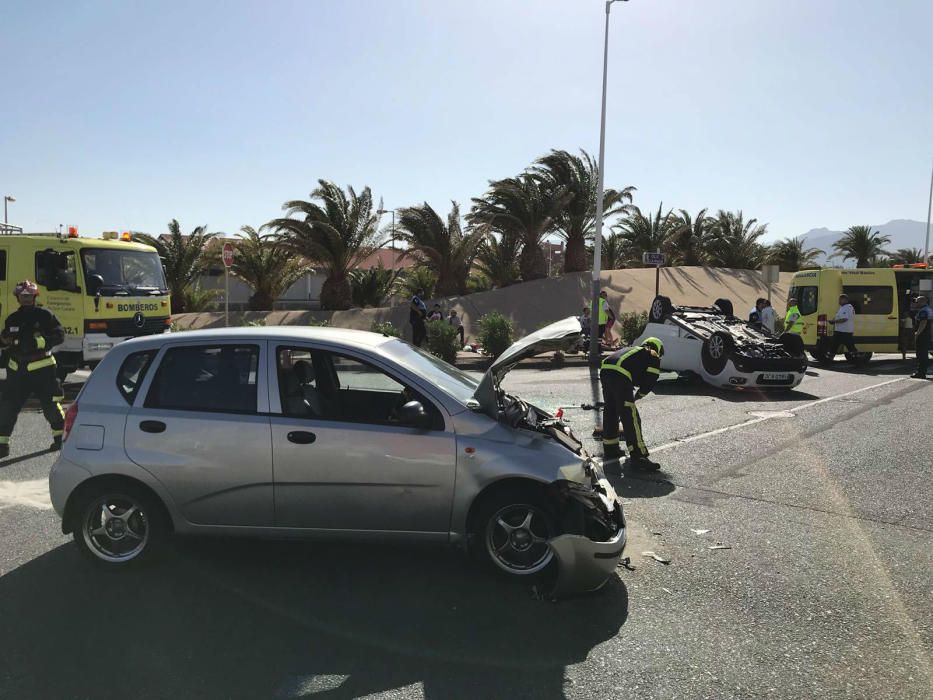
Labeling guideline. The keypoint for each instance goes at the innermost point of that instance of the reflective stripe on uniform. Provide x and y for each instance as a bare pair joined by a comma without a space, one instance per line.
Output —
39,364
58,399
58,433
618,365
654,370
639,440
40,342
12,365
60,409
4,439
611,441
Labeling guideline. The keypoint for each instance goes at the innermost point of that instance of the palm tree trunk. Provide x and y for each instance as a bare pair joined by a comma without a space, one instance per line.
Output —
335,293
532,263
575,255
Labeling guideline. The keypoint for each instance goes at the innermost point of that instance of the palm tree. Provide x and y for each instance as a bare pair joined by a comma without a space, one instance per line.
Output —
183,257
267,267
862,244
579,176
525,209
690,239
373,286
906,256
791,255
497,260
415,278
337,232
646,234
735,241
445,248
615,253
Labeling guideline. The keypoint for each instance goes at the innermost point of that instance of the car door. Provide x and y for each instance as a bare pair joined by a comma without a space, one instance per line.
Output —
341,461
201,427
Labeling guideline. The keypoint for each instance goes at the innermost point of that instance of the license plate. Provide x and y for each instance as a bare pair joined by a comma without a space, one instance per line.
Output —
775,377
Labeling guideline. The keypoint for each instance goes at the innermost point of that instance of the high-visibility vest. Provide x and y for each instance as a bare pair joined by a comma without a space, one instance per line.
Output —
603,311
797,326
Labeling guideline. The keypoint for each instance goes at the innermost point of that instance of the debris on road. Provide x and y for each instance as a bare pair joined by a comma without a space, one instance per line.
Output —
699,532
720,545
627,563
656,557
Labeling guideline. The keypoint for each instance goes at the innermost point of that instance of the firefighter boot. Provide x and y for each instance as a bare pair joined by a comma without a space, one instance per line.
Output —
643,464
56,443
4,450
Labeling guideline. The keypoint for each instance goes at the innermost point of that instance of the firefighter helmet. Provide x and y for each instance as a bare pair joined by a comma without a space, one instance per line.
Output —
656,344
26,287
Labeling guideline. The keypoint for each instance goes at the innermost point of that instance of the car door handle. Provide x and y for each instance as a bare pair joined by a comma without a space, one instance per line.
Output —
152,426
301,437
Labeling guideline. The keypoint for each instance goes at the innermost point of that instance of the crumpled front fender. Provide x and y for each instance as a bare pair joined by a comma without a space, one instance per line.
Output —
584,565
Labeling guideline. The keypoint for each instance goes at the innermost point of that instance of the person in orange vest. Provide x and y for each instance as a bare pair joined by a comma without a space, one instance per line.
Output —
28,337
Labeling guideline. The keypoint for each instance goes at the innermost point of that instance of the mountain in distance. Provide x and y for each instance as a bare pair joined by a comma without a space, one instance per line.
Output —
904,233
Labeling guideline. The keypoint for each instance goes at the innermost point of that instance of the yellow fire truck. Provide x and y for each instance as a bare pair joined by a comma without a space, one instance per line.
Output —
103,290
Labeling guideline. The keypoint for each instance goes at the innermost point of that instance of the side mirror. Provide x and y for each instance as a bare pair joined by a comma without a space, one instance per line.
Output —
413,413
94,283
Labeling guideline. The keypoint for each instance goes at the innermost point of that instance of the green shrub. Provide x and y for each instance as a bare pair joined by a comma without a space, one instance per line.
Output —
386,328
443,340
630,325
314,323
495,333
415,278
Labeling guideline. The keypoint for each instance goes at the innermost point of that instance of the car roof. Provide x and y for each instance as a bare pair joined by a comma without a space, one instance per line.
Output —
343,336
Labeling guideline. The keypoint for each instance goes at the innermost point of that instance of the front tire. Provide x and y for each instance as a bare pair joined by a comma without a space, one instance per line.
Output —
118,525
511,533
715,352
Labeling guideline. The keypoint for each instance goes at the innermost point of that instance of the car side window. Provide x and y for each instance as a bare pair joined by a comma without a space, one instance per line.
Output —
328,386
132,373
216,378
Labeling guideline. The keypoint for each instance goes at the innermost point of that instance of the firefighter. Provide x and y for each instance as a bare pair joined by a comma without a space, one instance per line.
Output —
620,374
28,337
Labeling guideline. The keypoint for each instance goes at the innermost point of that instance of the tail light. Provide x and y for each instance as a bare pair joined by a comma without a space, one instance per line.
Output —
821,325
70,416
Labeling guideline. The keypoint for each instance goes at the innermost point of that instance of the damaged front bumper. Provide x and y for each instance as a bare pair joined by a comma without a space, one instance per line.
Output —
588,557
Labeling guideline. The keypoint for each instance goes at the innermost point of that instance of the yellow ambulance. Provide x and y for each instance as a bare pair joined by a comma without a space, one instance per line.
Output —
882,301
103,290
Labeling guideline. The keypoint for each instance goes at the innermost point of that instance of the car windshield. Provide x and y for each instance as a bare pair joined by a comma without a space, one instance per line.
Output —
455,382
124,271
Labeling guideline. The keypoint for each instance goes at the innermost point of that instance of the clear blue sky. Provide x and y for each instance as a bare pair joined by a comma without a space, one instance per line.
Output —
122,115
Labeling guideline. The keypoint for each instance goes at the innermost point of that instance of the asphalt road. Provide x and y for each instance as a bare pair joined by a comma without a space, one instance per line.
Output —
822,497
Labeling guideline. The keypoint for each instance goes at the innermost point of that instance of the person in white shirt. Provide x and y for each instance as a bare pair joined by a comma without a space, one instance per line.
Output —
767,316
844,327
454,320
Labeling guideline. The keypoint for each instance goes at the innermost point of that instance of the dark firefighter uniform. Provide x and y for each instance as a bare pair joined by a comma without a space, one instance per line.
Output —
620,374
29,335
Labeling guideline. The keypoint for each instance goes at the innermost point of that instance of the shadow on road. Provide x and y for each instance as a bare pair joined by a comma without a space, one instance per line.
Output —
258,619
697,387
22,458
641,485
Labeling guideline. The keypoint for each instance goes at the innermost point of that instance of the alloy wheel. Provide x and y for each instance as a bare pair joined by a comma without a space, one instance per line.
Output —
116,528
516,539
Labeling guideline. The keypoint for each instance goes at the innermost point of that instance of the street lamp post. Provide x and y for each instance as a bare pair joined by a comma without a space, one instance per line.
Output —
7,198
598,240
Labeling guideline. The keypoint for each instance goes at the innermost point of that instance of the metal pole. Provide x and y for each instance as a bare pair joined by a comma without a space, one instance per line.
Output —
657,280
226,296
926,245
598,239
6,221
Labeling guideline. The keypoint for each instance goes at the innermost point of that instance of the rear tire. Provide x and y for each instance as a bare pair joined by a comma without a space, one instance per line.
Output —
661,308
821,353
511,530
118,525
715,352
725,306
859,359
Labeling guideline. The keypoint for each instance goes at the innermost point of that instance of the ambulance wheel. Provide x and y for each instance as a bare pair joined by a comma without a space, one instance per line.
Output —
821,353
715,352
859,358
661,308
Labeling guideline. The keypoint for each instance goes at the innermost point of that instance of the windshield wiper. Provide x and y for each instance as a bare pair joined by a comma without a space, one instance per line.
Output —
149,291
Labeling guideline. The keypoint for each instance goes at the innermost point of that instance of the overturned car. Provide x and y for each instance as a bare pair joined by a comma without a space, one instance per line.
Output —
725,351
327,432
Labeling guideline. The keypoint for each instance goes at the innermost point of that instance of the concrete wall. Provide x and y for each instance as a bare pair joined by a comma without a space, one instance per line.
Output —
305,293
533,304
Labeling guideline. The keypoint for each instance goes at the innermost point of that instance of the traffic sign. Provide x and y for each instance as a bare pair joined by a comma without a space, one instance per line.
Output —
228,255
656,259
770,274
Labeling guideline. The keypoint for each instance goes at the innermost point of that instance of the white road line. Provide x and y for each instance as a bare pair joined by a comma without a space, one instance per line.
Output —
778,414
34,494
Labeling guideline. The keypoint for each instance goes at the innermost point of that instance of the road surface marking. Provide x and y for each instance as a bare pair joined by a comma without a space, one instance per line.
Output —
761,419
25,493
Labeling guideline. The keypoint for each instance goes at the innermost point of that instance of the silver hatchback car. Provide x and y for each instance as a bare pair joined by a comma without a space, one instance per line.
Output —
315,432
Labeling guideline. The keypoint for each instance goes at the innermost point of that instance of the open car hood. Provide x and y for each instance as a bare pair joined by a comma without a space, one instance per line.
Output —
556,336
